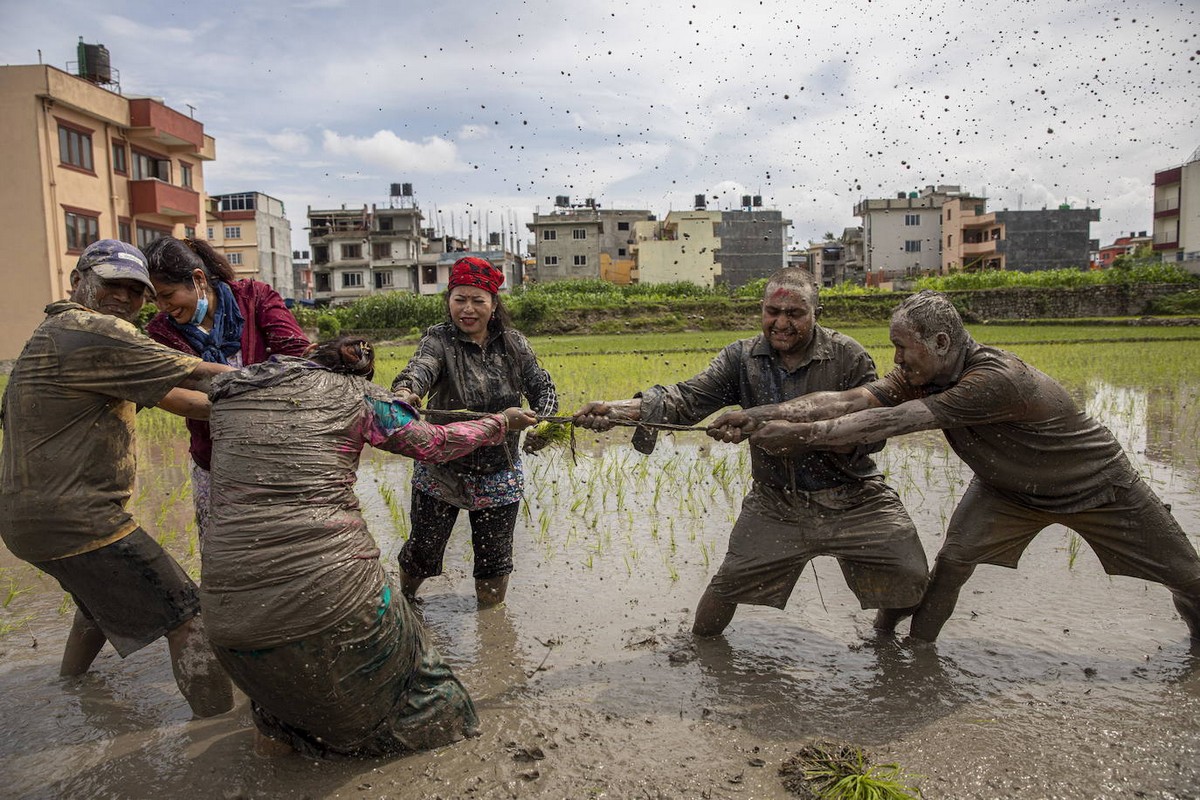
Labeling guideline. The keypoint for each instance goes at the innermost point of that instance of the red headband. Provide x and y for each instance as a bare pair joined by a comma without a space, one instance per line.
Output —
478,272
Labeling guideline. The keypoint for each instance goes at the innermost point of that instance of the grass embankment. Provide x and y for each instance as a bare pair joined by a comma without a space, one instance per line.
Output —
598,307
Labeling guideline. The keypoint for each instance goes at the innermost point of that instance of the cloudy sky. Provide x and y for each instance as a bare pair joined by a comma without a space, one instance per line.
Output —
491,109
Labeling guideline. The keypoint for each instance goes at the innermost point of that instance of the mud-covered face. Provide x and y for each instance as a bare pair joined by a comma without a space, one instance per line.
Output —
789,318
922,361
471,309
118,298
178,300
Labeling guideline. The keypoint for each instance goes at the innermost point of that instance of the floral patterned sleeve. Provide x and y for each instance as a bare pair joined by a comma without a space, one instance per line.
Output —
393,426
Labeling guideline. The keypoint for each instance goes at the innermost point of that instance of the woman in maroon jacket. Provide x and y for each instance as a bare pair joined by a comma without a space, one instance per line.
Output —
204,310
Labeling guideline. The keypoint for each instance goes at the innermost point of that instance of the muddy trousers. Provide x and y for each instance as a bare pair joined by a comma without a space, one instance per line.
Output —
433,520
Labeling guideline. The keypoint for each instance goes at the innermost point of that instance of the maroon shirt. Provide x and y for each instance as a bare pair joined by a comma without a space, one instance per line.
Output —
269,329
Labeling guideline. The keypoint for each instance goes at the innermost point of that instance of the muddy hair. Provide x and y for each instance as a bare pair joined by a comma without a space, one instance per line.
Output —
174,260
349,355
796,279
929,313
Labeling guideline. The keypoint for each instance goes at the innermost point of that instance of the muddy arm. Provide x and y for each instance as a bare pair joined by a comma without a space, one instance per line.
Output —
861,427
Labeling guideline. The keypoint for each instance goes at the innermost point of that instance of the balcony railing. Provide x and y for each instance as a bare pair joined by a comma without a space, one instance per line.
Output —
156,197
1166,204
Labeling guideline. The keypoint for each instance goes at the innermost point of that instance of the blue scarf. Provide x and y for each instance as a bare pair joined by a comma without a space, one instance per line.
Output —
226,336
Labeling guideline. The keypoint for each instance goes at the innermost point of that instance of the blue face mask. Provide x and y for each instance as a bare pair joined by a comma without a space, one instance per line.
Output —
201,308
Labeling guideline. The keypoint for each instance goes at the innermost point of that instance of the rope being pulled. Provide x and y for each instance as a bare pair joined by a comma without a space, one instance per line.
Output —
623,423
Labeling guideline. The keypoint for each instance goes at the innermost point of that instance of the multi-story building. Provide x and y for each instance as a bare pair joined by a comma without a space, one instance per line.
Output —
83,163
302,275
902,235
753,244
357,252
826,261
1121,246
683,247
976,239
1177,211
584,242
250,229
853,256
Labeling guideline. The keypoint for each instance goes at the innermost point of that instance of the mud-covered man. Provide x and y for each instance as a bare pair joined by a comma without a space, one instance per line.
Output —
830,502
1038,459
68,465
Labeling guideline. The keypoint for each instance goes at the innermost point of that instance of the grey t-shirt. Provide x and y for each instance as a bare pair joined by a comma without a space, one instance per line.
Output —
1020,431
68,465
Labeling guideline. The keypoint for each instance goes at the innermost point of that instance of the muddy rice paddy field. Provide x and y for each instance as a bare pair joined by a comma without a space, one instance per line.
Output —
1052,681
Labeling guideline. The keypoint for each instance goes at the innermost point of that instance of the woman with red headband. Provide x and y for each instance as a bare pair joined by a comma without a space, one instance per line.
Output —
477,361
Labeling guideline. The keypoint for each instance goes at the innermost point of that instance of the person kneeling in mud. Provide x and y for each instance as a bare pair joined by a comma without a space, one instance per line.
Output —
823,502
298,607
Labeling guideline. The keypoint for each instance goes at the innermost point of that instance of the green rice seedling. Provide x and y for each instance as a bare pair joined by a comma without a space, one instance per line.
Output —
1074,542
14,591
830,771
65,605
9,625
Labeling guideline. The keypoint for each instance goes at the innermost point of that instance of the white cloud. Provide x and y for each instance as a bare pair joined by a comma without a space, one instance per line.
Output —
469,133
386,149
290,142
125,28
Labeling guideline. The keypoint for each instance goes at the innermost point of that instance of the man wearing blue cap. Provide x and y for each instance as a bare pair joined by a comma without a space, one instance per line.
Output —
68,465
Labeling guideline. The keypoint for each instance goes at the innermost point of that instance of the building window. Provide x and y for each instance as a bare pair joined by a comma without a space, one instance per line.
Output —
621,251
120,158
83,228
579,233
947,213
912,219
352,280
185,175
147,234
75,147
125,231
949,240
233,231
549,235
429,274
381,250
352,251
238,202
385,223
580,261
383,280
210,233
320,253
912,246
550,261
189,232
234,258
272,230
321,282
149,167
622,226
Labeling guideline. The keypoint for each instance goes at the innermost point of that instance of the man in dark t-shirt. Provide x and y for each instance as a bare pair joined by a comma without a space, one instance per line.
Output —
1038,459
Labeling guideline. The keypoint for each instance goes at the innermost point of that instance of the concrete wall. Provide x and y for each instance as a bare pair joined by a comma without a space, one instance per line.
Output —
753,245
691,255
1091,301
1046,239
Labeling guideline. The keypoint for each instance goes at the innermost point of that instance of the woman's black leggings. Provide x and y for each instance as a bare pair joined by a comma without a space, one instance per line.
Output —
432,521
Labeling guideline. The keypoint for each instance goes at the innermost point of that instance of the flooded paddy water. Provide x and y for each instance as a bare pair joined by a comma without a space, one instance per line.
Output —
1052,681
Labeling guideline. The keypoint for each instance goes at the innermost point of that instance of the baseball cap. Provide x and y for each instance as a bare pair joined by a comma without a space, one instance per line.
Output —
114,260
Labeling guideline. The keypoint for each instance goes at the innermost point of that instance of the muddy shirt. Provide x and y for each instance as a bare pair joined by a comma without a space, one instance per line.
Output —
1020,431
288,554
457,373
68,464
749,373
